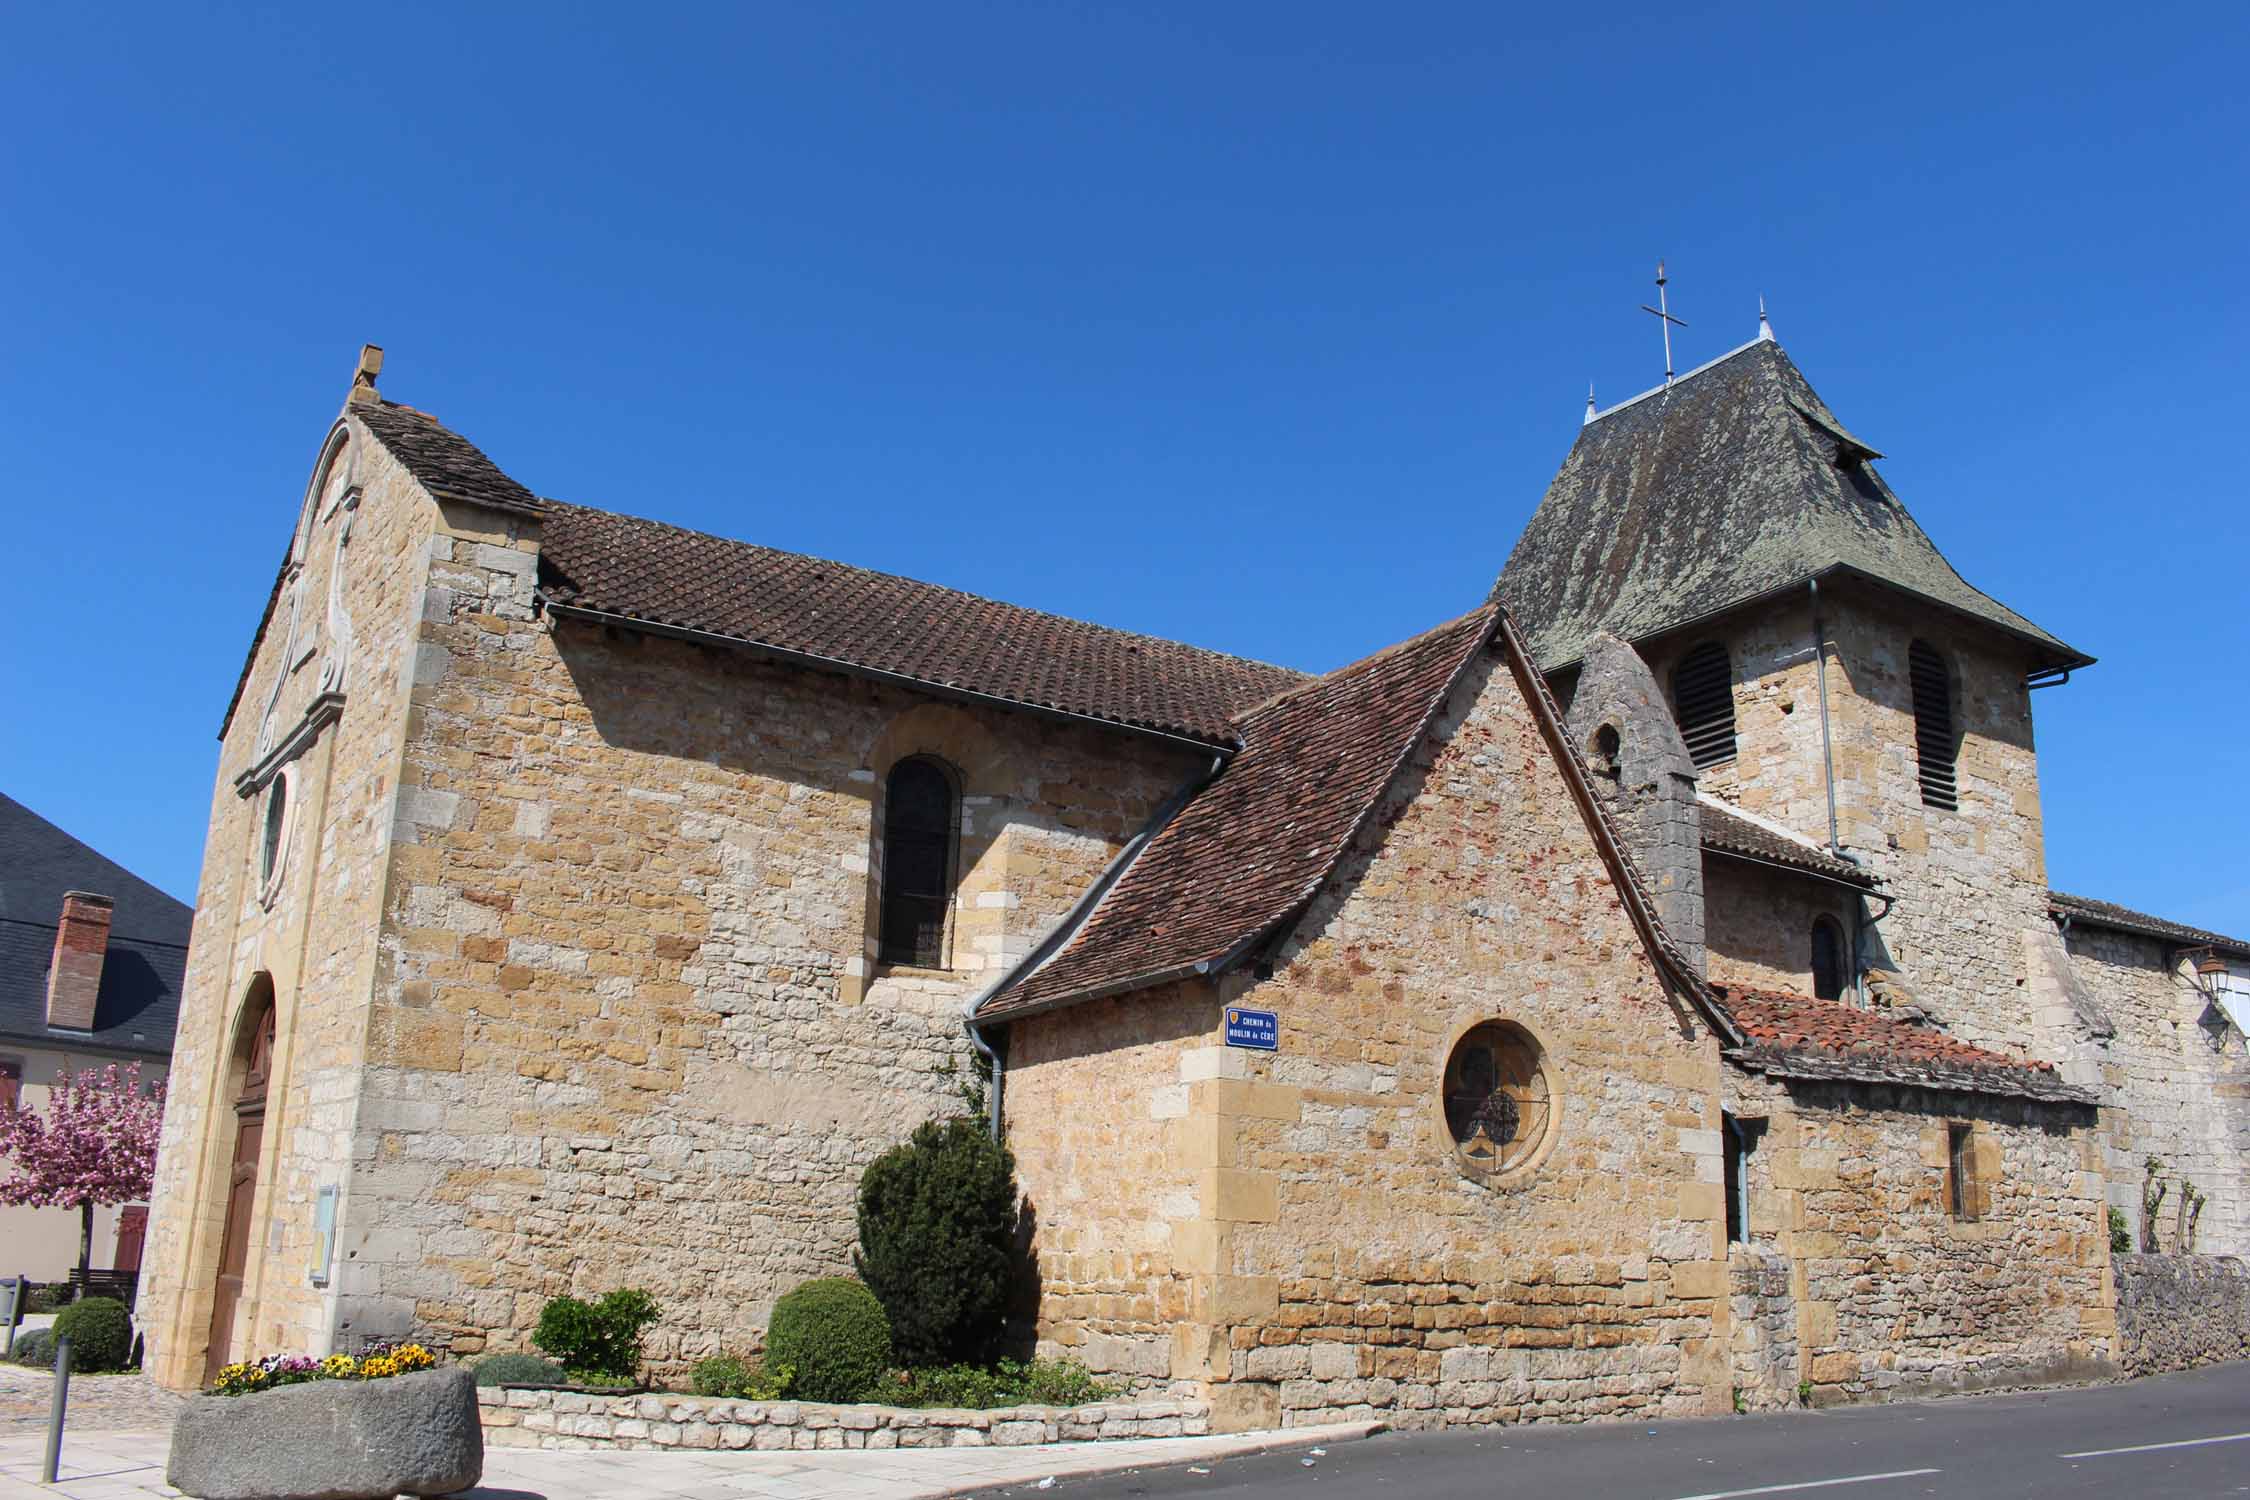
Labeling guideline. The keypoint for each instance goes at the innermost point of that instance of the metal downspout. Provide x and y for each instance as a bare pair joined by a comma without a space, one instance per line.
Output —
1827,752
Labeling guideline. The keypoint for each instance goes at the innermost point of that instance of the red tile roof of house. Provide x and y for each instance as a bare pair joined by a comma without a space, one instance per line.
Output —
808,607
1793,1036
1252,848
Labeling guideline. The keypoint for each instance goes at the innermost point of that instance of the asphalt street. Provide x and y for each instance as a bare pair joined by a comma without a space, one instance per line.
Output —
2163,1436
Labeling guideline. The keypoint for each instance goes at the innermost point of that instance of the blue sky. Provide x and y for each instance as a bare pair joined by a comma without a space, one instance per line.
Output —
1261,326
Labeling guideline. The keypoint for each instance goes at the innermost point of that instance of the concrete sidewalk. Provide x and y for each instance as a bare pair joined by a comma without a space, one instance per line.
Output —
130,1466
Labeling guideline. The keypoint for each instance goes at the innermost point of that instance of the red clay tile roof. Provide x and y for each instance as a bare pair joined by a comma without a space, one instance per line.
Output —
2085,909
1791,1036
646,570
446,464
1731,833
1251,848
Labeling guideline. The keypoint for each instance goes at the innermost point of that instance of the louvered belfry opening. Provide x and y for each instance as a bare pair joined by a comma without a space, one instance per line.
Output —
918,822
1703,695
1934,745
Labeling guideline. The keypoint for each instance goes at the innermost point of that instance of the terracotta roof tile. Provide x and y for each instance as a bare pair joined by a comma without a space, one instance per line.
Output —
646,570
1792,1036
1250,849
1731,833
2124,919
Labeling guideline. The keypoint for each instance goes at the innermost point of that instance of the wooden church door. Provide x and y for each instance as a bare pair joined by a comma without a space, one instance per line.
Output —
242,1197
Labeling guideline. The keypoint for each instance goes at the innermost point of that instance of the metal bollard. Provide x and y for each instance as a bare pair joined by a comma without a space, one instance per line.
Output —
55,1413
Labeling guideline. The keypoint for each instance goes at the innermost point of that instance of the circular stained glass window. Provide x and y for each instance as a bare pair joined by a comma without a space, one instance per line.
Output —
1498,1106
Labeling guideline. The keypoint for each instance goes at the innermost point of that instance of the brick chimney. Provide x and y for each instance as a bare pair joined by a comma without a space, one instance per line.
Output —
75,977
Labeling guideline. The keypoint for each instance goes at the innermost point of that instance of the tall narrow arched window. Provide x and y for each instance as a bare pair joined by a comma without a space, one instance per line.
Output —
918,822
1703,697
1935,744
1827,959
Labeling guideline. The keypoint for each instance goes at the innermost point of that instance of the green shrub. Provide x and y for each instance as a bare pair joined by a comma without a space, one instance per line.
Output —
35,1346
832,1338
518,1369
100,1330
1043,1382
720,1375
2120,1233
597,1339
750,1379
937,1224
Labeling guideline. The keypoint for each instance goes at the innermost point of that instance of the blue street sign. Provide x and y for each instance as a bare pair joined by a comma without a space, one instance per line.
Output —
1253,1028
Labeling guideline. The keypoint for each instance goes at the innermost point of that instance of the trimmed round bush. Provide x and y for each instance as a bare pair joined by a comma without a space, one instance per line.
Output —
518,1369
831,1337
36,1346
937,1231
100,1330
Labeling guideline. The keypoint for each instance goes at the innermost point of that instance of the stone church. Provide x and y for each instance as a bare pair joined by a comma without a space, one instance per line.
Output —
1637,994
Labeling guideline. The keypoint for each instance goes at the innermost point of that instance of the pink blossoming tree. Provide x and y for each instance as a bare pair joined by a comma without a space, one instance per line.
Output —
94,1144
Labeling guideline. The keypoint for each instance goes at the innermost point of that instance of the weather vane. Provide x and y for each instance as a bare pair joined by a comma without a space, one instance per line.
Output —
1663,313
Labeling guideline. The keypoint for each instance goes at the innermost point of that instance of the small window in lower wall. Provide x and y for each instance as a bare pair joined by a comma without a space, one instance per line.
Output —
1960,1173
1739,1138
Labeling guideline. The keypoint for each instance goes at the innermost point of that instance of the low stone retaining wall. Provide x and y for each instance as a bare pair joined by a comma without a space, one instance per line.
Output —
2175,1312
572,1419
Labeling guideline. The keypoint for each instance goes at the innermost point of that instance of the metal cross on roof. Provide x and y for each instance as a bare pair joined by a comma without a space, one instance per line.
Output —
1663,313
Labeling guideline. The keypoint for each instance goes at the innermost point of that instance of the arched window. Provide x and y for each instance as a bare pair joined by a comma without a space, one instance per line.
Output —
918,822
1827,959
277,821
1602,755
1703,697
1934,740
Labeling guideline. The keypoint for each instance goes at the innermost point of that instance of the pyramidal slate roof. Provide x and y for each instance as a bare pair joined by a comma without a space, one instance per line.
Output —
137,1008
1734,482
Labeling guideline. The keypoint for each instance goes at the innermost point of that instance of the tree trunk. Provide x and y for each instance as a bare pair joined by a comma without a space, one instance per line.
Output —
85,1239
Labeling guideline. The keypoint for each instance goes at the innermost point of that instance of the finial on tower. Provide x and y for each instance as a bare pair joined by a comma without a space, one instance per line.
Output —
1589,405
1765,329
1663,314
363,379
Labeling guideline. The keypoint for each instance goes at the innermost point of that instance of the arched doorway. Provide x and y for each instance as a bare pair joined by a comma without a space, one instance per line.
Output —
253,1070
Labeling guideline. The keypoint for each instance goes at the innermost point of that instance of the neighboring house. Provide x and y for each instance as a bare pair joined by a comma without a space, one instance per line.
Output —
91,961
587,901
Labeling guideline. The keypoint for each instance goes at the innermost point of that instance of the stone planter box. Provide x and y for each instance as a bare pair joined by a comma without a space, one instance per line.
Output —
332,1440
515,1417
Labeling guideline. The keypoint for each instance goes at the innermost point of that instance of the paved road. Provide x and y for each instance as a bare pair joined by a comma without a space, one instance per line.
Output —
2183,1435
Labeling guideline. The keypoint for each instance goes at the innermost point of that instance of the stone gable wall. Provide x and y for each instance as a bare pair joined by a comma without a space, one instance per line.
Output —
315,941
1395,1285
626,1029
2178,1082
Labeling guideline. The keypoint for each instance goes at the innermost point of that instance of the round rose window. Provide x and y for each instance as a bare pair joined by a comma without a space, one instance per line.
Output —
1498,1106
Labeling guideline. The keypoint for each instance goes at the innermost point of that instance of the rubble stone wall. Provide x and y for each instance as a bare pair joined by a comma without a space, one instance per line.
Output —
577,1420
2177,1079
1895,1296
2175,1312
625,1030
1761,924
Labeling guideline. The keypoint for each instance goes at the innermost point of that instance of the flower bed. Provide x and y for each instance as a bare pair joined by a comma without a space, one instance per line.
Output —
380,1362
517,1417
